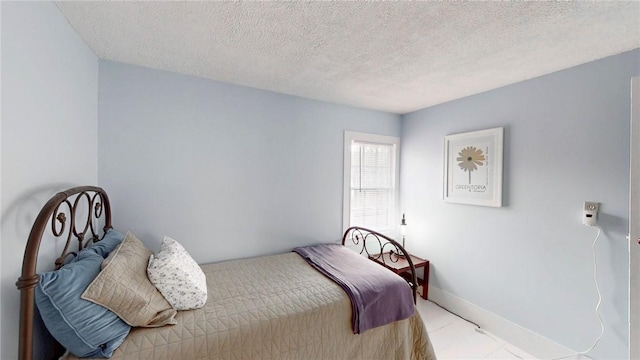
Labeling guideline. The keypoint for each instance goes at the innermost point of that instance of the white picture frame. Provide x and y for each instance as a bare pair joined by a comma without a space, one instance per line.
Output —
473,167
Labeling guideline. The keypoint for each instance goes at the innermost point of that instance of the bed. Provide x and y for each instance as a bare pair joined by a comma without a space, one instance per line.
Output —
269,307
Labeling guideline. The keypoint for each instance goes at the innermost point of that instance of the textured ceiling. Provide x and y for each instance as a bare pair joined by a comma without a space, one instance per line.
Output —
391,56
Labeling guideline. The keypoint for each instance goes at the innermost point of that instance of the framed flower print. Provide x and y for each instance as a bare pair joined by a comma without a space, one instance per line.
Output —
473,167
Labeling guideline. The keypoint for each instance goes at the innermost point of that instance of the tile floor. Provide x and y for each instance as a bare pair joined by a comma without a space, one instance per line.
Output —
455,338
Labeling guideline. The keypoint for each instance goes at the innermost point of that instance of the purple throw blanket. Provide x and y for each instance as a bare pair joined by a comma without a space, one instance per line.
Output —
378,296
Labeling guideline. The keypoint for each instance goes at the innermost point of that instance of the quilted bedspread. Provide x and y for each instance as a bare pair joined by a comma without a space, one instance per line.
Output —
274,307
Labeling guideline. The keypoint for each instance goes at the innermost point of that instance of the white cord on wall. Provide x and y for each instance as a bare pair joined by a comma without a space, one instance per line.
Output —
595,279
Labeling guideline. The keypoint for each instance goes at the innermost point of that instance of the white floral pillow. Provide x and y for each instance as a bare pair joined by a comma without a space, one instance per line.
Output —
177,276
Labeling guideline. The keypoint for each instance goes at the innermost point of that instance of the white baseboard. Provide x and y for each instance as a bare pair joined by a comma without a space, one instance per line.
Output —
527,340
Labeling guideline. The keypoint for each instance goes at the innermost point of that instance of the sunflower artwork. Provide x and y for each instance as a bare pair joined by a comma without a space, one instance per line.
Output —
473,167
470,158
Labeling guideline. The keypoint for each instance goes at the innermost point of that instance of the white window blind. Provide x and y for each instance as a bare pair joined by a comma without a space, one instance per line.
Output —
372,187
371,177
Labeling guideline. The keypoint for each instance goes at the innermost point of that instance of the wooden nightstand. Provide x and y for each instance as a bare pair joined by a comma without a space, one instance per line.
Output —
401,267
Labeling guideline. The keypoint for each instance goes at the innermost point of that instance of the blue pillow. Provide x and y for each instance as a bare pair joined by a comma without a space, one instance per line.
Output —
84,328
105,246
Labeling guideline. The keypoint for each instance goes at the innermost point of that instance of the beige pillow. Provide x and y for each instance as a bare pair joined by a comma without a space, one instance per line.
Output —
124,288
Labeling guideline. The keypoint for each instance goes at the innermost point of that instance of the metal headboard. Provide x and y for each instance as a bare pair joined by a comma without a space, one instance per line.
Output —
63,213
360,236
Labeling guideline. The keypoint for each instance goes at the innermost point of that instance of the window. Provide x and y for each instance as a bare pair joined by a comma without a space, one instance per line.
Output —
370,181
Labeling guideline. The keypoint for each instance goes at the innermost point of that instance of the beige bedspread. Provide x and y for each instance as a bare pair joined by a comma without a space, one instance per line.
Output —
274,307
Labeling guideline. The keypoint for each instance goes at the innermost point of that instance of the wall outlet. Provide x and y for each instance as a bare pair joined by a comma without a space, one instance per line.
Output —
590,213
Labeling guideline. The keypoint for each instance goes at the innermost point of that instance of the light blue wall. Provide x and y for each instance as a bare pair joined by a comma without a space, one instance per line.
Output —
234,172
49,133
228,171
566,141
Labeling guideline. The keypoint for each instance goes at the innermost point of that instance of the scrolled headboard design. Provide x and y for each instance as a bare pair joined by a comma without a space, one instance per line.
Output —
63,212
360,237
